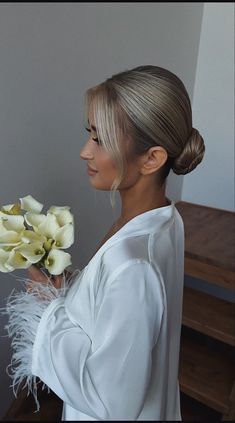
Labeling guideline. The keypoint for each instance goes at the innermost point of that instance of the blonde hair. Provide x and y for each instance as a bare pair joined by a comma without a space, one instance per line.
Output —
148,106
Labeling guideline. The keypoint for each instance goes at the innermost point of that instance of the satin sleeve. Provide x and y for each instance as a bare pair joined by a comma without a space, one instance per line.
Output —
106,373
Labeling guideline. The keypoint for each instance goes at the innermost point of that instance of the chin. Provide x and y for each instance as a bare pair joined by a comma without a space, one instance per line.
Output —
97,185
101,188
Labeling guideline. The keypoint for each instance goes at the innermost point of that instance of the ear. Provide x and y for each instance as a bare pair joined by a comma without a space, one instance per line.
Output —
153,160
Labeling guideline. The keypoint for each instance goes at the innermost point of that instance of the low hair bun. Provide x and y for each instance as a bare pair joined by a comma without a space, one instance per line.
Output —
191,155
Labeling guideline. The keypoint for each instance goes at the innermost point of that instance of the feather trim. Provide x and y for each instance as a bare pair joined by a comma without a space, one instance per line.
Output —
25,309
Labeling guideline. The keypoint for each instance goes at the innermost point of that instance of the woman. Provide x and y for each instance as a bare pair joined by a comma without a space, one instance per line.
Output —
108,344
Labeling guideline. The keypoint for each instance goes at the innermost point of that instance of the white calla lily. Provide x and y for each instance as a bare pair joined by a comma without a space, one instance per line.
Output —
12,222
11,208
58,209
21,246
49,226
31,236
30,204
64,237
10,238
33,252
7,207
48,245
17,261
3,230
4,256
63,214
57,261
65,217
34,219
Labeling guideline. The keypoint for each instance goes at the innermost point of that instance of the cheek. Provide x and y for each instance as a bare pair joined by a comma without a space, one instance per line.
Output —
108,172
129,179
106,166
132,174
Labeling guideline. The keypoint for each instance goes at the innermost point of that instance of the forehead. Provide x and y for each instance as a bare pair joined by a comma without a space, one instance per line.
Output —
90,119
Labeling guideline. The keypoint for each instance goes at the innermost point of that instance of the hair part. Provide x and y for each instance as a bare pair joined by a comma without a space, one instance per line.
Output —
145,107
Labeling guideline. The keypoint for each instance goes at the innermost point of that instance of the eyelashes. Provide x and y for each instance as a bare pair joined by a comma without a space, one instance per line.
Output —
94,139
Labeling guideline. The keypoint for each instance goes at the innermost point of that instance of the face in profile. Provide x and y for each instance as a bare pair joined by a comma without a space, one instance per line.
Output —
103,166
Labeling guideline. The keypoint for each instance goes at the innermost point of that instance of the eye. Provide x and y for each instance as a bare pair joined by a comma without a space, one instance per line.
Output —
94,139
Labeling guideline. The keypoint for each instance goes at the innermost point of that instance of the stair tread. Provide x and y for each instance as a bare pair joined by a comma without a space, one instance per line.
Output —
209,234
206,374
210,315
192,410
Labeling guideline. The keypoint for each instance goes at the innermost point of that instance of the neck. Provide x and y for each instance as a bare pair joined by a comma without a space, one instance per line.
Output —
135,202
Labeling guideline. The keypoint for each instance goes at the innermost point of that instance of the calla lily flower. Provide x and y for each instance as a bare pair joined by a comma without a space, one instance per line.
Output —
17,261
21,246
58,209
63,214
64,236
11,209
31,236
10,238
31,205
3,230
49,226
4,267
12,222
34,219
33,252
57,261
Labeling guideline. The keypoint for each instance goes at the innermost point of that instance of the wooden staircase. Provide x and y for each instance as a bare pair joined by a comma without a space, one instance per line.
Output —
207,359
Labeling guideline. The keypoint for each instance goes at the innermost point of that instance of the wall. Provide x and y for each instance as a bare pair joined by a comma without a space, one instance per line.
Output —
212,183
50,54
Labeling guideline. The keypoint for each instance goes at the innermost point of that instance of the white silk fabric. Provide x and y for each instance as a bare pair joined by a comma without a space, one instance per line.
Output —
110,348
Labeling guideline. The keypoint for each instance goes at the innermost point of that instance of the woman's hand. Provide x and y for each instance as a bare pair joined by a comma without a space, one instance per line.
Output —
37,275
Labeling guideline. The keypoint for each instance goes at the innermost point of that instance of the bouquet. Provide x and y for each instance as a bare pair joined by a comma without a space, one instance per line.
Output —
29,237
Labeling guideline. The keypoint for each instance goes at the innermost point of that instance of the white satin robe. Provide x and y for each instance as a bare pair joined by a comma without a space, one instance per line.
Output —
110,347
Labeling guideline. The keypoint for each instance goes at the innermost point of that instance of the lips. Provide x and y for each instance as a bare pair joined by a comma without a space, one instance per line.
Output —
91,169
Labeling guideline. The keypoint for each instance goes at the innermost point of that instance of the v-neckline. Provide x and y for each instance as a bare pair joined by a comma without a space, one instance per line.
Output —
141,216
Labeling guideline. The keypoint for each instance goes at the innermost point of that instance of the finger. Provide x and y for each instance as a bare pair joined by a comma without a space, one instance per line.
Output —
57,281
36,274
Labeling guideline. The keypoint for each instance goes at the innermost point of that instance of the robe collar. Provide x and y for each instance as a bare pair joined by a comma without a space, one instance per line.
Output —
151,221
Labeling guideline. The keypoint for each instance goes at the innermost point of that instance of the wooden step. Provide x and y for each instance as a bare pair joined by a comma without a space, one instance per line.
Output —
209,243
192,410
210,315
206,372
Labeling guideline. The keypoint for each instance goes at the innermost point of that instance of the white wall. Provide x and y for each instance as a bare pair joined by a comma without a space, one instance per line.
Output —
212,183
50,54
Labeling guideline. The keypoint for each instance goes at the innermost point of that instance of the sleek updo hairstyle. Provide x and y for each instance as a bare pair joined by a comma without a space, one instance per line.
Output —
146,106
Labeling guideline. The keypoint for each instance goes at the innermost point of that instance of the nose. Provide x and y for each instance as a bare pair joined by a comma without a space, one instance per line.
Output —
86,153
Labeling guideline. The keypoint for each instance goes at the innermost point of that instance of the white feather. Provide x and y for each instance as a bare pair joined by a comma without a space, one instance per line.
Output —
25,309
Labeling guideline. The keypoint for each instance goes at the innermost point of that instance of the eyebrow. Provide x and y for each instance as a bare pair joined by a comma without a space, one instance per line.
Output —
92,126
